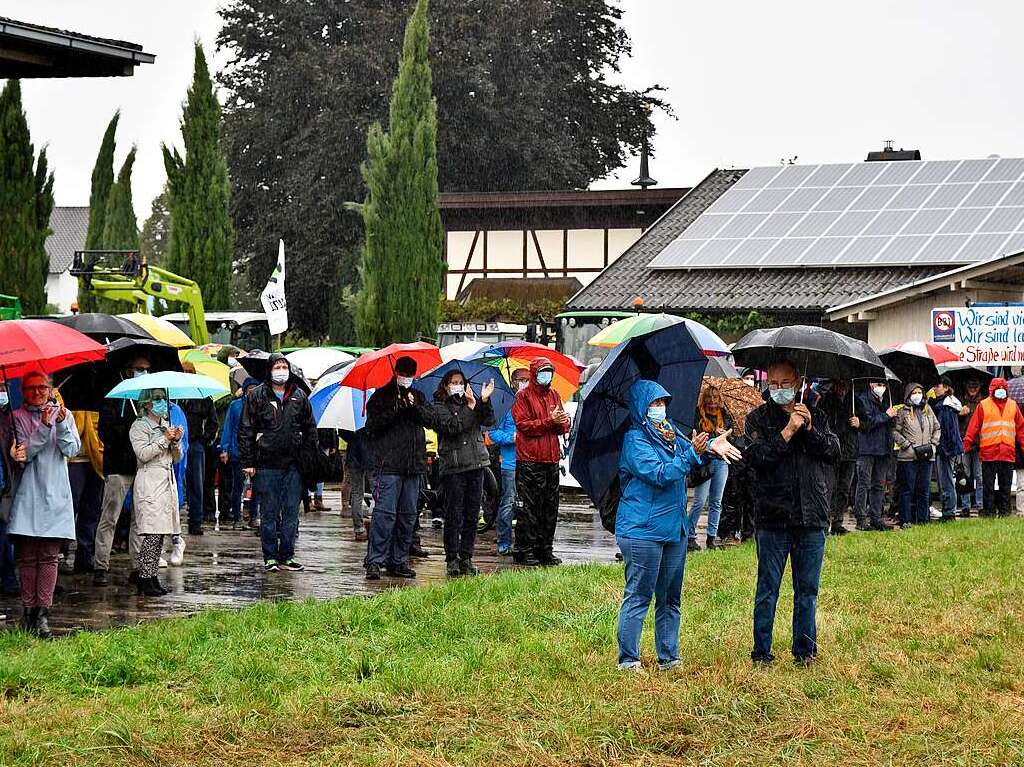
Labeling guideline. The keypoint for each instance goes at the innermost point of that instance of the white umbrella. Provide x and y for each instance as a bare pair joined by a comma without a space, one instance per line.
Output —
462,350
315,360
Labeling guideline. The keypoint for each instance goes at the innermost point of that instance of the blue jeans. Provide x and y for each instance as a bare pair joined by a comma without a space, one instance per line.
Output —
708,493
195,478
870,493
393,520
915,491
805,547
237,489
977,498
505,504
653,569
278,491
947,484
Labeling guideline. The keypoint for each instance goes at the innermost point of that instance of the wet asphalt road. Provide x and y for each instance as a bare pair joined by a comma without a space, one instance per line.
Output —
225,569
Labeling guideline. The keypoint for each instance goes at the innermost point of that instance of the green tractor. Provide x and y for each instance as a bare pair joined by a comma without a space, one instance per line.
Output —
10,307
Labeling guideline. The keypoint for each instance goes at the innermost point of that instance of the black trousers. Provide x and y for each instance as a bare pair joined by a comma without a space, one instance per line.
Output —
841,494
996,501
537,488
462,494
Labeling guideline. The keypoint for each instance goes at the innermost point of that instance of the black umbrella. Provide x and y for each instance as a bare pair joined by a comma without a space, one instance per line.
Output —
84,387
257,364
669,356
816,352
103,327
720,367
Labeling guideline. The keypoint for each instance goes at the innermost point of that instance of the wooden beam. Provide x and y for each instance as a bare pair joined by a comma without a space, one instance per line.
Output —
606,246
540,255
525,266
565,252
469,258
866,316
1001,287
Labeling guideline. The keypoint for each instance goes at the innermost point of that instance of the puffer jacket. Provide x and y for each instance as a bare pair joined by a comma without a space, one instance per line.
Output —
793,478
394,428
460,436
915,426
274,432
652,474
536,433
947,411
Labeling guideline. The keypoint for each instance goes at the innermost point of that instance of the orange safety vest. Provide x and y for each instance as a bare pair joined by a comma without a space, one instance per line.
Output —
998,428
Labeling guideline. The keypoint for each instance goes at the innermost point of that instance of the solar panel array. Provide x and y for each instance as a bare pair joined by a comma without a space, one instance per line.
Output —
859,214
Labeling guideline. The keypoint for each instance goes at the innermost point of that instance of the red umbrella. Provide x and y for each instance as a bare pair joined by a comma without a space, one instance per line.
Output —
375,369
27,345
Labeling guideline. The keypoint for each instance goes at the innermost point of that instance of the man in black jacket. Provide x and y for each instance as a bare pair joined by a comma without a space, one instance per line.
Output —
837,404
277,426
201,416
395,417
792,450
119,465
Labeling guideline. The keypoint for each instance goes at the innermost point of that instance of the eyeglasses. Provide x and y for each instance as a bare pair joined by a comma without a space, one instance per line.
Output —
41,387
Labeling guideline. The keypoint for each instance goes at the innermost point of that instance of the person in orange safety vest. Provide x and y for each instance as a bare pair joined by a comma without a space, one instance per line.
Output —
997,428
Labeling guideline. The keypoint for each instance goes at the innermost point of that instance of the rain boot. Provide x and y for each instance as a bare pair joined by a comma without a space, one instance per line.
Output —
28,620
43,623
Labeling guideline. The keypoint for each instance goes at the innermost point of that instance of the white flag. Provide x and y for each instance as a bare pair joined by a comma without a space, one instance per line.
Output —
274,302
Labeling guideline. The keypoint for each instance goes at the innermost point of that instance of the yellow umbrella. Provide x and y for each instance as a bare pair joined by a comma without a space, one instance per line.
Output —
207,366
160,329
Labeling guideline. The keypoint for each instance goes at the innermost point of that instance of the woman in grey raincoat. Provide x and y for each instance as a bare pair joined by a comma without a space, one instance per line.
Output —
157,446
42,514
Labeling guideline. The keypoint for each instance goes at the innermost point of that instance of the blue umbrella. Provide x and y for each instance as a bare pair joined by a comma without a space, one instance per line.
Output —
477,374
669,356
177,385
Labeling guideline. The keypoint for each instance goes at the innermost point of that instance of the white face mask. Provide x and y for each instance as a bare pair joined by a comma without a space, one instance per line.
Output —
878,391
522,385
233,362
5,399
749,382
456,389
404,381
999,394
916,398
279,376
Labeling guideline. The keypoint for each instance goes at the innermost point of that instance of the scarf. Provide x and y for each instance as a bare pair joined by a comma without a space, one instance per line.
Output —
665,430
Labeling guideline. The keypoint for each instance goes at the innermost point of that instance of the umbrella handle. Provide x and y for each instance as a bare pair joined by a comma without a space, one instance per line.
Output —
10,410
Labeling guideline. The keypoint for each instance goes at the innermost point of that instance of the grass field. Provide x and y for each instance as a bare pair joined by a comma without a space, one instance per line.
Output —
922,651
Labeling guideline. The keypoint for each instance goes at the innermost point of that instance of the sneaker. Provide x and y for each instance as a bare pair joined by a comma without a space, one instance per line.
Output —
162,562
633,665
504,551
401,571
373,572
839,530
361,537
178,552
101,578
418,552
864,526
466,567
270,566
452,569
692,545
882,527
905,526
712,543
668,665
437,523
293,566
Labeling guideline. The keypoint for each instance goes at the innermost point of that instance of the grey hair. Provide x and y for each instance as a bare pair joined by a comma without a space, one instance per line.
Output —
148,395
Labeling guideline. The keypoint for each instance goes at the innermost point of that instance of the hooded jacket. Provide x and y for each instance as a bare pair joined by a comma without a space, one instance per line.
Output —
460,436
272,432
999,451
947,411
794,479
915,426
536,432
874,436
652,474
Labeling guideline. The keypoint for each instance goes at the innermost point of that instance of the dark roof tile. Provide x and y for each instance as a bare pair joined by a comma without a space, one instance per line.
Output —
68,226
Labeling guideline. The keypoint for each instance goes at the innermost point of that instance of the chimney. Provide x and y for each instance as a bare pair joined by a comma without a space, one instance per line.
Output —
888,154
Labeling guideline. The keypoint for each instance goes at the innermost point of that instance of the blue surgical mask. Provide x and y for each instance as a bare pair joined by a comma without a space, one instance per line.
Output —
782,396
160,407
656,413
545,377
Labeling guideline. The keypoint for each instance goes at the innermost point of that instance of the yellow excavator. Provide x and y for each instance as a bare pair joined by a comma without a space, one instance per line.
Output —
123,275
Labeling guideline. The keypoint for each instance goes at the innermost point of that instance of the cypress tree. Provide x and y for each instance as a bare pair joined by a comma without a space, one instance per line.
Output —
402,264
120,229
26,200
202,239
102,181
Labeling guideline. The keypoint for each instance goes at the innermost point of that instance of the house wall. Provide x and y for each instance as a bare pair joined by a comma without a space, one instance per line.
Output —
61,290
565,253
912,321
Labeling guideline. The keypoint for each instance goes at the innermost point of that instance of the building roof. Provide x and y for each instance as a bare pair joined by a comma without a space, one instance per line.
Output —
716,290
32,50
570,209
68,225
1004,273
523,289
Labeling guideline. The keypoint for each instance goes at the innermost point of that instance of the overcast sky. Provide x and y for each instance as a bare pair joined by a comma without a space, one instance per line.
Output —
751,82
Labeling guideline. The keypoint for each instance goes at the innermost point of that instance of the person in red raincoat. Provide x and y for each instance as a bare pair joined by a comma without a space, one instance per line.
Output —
997,427
540,421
